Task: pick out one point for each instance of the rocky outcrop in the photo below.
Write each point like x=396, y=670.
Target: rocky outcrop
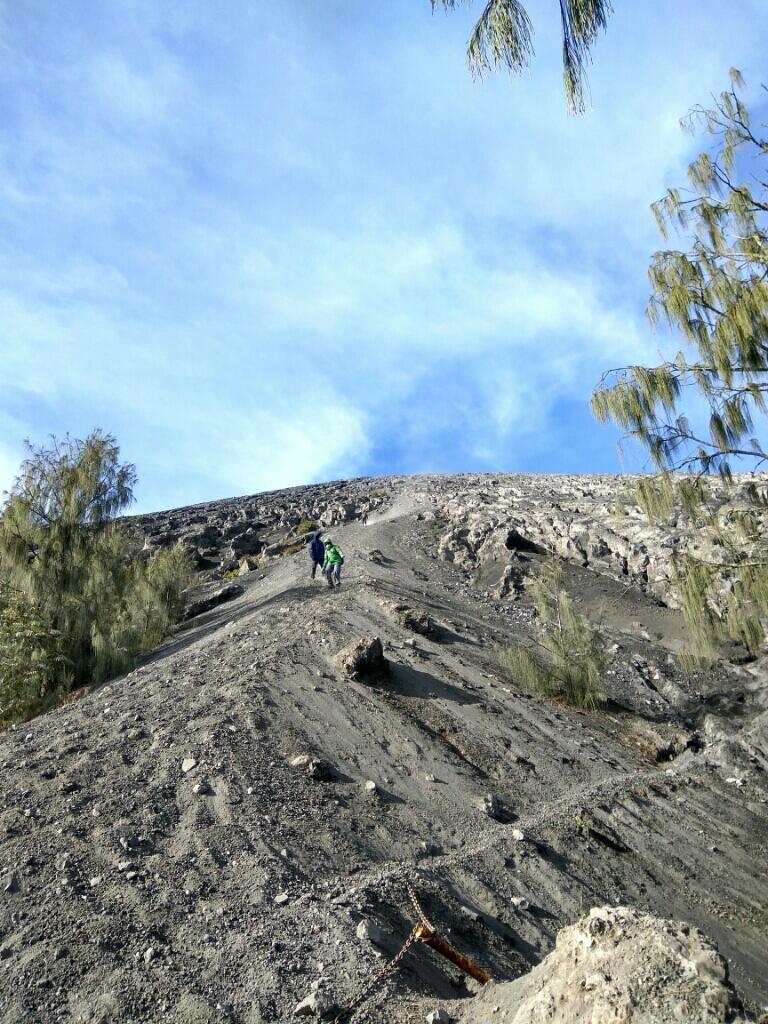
x=594, y=521
x=220, y=533
x=617, y=966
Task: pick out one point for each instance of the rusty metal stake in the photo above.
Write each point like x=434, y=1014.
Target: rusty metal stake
x=430, y=938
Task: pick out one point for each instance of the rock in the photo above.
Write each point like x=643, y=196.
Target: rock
x=220, y=596
x=149, y=955
x=316, y=1004
x=427, y=849
x=415, y=619
x=518, y=835
x=370, y=786
x=620, y=965
x=376, y=556
x=439, y=1016
x=11, y=884
x=316, y=767
x=659, y=741
x=368, y=931
x=188, y=764
x=364, y=659
x=495, y=809
x=281, y=898
x=520, y=903
x=320, y=770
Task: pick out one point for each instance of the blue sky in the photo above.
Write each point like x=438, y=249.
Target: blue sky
x=271, y=243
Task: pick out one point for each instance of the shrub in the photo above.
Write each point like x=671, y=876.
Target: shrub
x=568, y=661
x=306, y=526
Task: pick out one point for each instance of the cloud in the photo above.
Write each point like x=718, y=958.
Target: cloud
x=301, y=242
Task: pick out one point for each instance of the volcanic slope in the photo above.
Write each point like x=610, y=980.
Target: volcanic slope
x=162, y=859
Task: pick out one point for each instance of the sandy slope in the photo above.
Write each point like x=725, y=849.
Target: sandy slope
x=128, y=896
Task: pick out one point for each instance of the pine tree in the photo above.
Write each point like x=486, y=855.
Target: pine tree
x=76, y=575
x=503, y=35
x=715, y=293
x=33, y=666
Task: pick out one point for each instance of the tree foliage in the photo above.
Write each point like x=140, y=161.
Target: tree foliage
x=503, y=35
x=75, y=574
x=568, y=662
x=33, y=666
x=715, y=293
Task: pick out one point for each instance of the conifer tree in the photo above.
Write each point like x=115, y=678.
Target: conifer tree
x=77, y=600
x=715, y=293
x=503, y=35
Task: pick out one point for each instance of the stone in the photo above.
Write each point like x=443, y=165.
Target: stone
x=316, y=1004
x=364, y=660
x=281, y=898
x=368, y=931
x=149, y=955
x=518, y=835
x=220, y=596
x=188, y=764
x=427, y=849
x=370, y=786
x=520, y=903
x=494, y=808
x=316, y=767
x=439, y=1016
x=11, y=884
x=415, y=619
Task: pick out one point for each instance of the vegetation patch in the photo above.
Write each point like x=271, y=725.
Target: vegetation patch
x=568, y=662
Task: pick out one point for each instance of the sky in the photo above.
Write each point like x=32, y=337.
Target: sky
x=267, y=244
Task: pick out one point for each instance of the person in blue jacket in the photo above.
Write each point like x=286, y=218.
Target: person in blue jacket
x=316, y=550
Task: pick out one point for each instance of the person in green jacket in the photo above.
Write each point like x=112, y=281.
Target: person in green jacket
x=334, y=559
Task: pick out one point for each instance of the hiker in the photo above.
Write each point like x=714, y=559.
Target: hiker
x=316, y=551
x=334, y=559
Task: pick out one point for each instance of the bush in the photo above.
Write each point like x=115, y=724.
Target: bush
x=568, y=661
x=306, y=526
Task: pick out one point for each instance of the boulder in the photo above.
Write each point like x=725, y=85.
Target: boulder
x=415, y=619
x=364, y=659
x=616, y=965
